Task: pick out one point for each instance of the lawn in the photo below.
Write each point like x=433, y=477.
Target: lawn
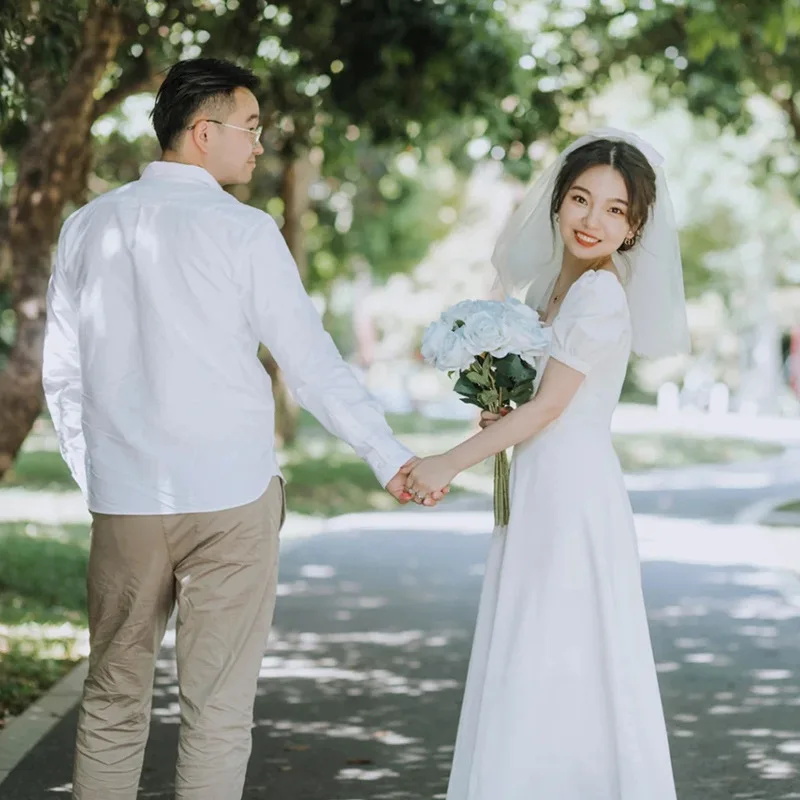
x=660, y=451
x=39, y=470
x=42, y=609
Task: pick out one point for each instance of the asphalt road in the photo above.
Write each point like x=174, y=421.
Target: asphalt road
x=361, y=686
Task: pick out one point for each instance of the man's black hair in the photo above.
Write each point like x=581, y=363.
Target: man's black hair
x=191, y=85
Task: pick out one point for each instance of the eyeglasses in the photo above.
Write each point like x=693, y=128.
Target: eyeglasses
x=255, y=133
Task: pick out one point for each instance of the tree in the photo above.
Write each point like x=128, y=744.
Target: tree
x=714, y=56
x=391, y=71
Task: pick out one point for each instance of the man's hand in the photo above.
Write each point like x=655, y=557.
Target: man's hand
x=397, y=488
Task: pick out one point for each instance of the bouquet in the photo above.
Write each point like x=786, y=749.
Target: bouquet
x=492, y=345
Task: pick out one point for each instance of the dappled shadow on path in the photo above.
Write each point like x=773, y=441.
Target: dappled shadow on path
x=727, y=644
x=362, y=683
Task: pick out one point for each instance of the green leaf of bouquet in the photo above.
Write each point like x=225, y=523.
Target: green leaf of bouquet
x=522, y=394
x=471, y=401
x=515, y=370
x=489, y=398
x=479, y=378
x=502, y=378
x=465, y=386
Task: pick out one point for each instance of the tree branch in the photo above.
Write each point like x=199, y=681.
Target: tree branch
x=790, y=107
x=141, y=79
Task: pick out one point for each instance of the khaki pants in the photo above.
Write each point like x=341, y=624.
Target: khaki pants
x=221, y=567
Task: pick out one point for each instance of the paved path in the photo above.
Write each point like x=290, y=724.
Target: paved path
x=361, y=686
x=362, y=683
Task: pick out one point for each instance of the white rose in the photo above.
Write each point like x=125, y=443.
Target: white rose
x=538, y=343
x=460, y=311
x=521, y=310
x=526, y=336
x=453, y=353
x=432, y=341
x=484, y=332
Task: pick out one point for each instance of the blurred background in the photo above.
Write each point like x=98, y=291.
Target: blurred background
x=400, y=135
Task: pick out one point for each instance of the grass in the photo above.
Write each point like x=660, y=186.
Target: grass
x=339, y=483
x=656, y=451
x=790, y=508
x=40, y=470
x=24, y=677
x=42, y=609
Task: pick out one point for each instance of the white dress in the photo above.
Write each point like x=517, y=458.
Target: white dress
x=562, y=700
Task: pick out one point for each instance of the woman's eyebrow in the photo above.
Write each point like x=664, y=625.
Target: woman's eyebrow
x=613, y=199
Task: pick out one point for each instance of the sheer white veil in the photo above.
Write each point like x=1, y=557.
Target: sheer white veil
x=529, y=251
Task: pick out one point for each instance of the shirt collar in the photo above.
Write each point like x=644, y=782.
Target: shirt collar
x=176, y=171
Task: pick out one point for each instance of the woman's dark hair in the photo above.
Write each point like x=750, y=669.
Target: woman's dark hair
x=193, y=84
x=625, y=158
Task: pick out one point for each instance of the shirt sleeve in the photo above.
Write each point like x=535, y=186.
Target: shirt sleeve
x=286, y=321
x=592, y=321
x=61, y=370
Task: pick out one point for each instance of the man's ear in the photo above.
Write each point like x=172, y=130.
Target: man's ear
x=199, y=134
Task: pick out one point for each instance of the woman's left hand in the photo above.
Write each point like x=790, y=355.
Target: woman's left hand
x=428, y=475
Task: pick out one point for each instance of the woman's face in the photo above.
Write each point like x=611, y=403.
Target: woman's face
x=593, y=218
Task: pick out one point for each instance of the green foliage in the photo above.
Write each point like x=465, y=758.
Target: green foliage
x=45, y=572
x=42, y=608
x=25, y=676
x=494, y=383
x=348, y=85
x=714, y=56
x=638, y=452
x=40, y=469
x=35, y=39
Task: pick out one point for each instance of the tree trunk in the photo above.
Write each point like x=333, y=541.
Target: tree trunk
x=298, y=174
x=52, y=172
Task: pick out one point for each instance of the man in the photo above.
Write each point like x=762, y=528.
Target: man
x=161, y=291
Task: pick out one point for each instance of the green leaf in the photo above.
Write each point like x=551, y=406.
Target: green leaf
x=489, y=398
x=479, y=378
x=503, y=380
x=465, y=386
x=522, y=394
x=512, y=371
x=471, y=401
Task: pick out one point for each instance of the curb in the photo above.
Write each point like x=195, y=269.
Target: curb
x=24, y=732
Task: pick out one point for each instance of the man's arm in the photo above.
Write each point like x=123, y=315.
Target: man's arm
x=286, y=321
x=61, y=371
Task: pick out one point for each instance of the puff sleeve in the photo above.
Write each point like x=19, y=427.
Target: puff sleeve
x=592, y=321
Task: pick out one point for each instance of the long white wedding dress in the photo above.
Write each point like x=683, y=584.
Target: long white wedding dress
x=562, y=700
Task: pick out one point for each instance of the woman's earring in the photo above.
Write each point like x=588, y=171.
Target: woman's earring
x=630, y=241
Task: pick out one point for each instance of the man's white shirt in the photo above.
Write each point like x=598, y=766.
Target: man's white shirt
x=161, y=291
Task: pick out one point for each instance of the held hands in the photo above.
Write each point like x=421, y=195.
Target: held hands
x=427, y=480
x=397, y=488
x=427, y=476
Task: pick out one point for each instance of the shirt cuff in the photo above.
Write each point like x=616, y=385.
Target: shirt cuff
x=386, y=457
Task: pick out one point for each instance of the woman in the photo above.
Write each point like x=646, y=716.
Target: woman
x=562, y=700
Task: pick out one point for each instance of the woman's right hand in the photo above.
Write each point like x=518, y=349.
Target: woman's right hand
x=489, y=417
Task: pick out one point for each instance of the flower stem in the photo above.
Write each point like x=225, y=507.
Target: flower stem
x=502, y=501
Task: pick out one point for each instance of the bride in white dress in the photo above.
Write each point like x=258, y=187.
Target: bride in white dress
x=562, y=700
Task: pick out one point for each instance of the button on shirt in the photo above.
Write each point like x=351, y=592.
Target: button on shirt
x=161, y=291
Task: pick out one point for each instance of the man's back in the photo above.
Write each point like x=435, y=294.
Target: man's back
x=177, y=409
